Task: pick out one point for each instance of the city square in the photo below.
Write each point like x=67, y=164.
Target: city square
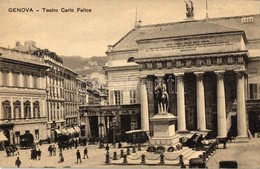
x=245, y=154
x=171, y=90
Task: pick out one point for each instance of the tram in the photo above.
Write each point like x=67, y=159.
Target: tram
x=136, y=136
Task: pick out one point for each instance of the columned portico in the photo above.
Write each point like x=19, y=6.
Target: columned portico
x=201, y=120
x=241, y=107
x=144, y=105
x=221, y=105
x=180, y=102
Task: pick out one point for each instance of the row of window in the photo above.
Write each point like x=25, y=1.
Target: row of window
x=116, y=97
x=17, y=110
x=16, y=80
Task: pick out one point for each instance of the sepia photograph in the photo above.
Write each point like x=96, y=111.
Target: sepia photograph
x=130, y=84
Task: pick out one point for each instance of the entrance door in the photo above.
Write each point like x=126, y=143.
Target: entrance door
x=254, y=122
x=93, y=121
x=125, y=126
x=233, y=128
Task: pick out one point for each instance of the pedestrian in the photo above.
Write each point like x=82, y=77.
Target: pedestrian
x=54, y=150
x=32, y=153
x=39, y=152
x=78, y=156
x=50, y=150
x=18, y=162
x=107, y=147
x=85, y=152
x=61, y=158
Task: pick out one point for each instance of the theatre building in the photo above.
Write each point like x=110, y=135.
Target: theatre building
x=22, y=95
x=210, y=68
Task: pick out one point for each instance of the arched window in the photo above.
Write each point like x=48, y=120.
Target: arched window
x=36, y=109
x=27, y=109
x=17, y=109
x=131, y=59
x=6, y=109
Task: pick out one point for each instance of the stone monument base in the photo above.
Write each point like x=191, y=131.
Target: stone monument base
x=164, y=130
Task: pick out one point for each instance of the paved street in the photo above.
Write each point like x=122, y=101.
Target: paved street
x=245, y=153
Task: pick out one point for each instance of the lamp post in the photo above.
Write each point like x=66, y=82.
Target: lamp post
x=114, y=125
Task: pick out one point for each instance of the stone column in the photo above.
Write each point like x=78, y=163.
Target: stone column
x=201, y=120
x=1, y=78
x=32, y=111
x=39, y=82
x=43, y=81
x=180, y=102
x=43, y=107
x=21, y=80
x=12, y=107
x=1, y=115
x=87, y=127
x=144, y=105
x=104, y=126
x=10, y=78
x=241, y=105
x=22, y=108
x=221, y=105
x=30, y=81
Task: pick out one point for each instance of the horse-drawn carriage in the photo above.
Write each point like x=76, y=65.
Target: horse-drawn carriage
x=63, y=141
x=26, y=140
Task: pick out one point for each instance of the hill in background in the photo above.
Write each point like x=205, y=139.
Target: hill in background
x=87, y=67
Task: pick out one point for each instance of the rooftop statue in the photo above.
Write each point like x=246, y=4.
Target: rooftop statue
x=189, y=8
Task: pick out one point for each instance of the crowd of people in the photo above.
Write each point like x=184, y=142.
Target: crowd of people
x=36, y=154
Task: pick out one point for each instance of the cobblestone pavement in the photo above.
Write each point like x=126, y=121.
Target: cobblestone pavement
x=246, y=154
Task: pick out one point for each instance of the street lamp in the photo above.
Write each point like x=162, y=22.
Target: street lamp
x=114, y=125
x=101, y=141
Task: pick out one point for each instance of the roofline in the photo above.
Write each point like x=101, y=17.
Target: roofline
x=123, y=38
x=197, y=35
x=209, y=19
x=70, y=70
x=25, y=63
x=122, y=51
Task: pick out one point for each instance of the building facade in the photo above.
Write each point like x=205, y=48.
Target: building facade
x=22, y=95
x=209, y=67
x=41, y=90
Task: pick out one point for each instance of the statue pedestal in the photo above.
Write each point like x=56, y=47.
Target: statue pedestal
x=164, y=130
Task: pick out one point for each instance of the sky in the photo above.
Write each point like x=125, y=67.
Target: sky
x=88, y=34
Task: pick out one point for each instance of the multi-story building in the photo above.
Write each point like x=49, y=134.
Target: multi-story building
x=71, y=100
x=209, y=67
x=55, y=94
x=22, y=95
x=61, y=91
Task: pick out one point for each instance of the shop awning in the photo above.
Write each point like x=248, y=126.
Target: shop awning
x=64, y=131
x=71, y=130
x=58, y=131
x=77, y=129
x=3, y=137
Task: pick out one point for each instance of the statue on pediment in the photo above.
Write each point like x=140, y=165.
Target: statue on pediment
x=189, y=8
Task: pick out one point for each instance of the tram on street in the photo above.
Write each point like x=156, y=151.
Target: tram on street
x=136, y=136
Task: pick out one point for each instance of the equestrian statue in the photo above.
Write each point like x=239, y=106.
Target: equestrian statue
x=162, y=97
